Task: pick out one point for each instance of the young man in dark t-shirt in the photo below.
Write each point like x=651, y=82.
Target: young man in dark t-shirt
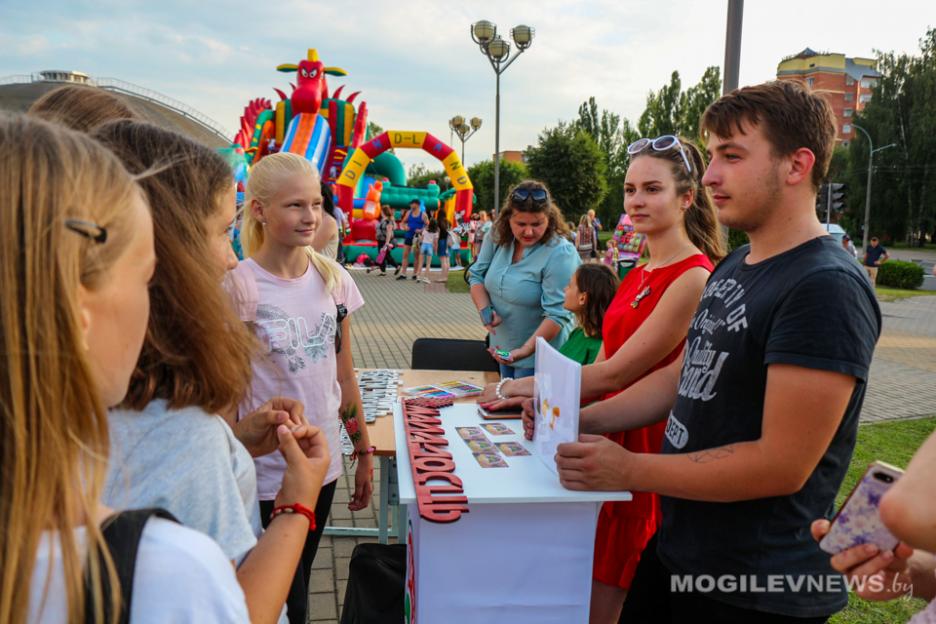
x=763, y=409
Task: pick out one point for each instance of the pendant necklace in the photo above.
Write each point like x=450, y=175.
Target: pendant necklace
x=642, y=292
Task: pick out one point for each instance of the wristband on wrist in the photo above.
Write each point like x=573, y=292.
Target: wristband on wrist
x=295, y=508
x=370, y=450
x=487, y=314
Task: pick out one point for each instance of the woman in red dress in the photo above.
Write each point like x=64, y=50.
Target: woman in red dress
x=644, y=329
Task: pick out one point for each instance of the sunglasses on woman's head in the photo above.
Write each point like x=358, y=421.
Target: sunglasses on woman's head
x=537, y=194
x=660, y=144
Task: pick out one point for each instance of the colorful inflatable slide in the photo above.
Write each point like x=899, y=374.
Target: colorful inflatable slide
x=329, y=132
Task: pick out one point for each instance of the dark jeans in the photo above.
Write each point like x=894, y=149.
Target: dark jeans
x=297, y=602
x=649, y=600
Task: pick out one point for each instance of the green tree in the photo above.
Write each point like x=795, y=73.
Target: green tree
x=482, y=177
x=694, y=101
x=661, y=114
x=613, y=134
x=572, y=165
x=373, y=130
x=419, y=175
x=902, y=111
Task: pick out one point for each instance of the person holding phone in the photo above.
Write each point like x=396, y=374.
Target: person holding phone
x=908, y=510
x=518, y=279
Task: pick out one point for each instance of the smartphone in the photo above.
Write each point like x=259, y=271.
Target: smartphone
x=503, y=354
x=507, y=414
x=858, y=521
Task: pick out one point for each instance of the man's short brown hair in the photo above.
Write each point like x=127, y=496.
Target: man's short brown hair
x=790, y=116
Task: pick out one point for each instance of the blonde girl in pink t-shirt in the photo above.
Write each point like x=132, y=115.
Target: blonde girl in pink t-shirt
x=302, y=318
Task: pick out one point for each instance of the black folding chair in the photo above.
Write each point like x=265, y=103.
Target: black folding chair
x=452, y=354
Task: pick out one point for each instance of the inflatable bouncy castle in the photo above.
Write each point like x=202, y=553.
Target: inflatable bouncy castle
x=331, y=132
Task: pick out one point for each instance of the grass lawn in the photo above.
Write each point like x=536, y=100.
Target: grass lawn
x=456, y=282
x=894, y=294
x=903, y=245
x=894, y=443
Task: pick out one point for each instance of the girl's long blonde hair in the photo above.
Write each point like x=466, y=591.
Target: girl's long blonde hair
x=53, y=425
x=265, y=179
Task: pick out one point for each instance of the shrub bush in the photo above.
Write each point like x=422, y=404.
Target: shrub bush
x=899, y=274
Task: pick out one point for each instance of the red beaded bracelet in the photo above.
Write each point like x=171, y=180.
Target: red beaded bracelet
x=370, y=450
x=296, y=508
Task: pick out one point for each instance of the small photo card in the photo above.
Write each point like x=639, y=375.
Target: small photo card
x=498, y=429
x=511, y=449
x=490, y=460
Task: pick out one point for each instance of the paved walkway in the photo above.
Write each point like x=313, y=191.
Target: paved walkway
x=902, y=385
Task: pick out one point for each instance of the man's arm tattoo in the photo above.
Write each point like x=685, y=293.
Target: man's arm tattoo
x=708, y=455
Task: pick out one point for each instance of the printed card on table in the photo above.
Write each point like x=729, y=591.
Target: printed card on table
x=471, y=433
x=557, y=386
x=480, y=446
x=490, y=460
x=448, y=389
x=511, y=449
x=497, y=429
x=460, y=388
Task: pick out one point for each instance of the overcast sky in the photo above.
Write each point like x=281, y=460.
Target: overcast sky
x=414, y=60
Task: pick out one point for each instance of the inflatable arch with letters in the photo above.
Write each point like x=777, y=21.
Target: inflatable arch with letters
x=367, y=152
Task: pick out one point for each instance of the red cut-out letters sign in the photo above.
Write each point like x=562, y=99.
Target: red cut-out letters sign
x=430, y=462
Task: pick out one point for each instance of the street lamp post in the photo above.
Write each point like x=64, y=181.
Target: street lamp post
x=871, y=152
x=497, y=51
x=733, y=45
x=464, y=131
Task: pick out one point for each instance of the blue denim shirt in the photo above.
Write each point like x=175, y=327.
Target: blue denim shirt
x=526, y=292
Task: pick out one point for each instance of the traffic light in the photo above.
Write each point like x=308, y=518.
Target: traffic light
x=830, y=194
x=838, y=195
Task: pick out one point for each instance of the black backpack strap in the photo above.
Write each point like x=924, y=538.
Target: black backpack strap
x=122, y=534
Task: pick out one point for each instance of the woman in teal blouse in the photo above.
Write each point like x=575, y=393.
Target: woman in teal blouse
x=518, y=280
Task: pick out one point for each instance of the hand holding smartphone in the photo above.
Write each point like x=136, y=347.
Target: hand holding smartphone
x=503, y=354
x=858, y=521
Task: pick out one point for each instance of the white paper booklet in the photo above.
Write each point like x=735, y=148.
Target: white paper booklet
x=556, y=400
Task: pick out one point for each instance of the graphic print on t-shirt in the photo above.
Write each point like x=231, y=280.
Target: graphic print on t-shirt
x=703, y=365
x=292, y=337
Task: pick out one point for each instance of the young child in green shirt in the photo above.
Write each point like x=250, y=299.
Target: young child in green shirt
x=587, y=295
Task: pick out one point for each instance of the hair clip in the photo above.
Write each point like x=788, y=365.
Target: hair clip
x=88, y=229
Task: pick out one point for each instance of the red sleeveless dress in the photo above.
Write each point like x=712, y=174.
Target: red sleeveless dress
x=624, y=528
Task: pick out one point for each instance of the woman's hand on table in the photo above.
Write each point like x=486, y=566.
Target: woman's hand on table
x=363, y=482
x=489, y=394
x=498, y=405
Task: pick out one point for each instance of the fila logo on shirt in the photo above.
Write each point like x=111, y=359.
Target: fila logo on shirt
x=292, y=332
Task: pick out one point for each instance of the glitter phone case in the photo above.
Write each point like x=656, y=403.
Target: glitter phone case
x=858, y=521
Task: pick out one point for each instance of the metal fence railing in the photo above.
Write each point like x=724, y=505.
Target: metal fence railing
x=114, y=84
